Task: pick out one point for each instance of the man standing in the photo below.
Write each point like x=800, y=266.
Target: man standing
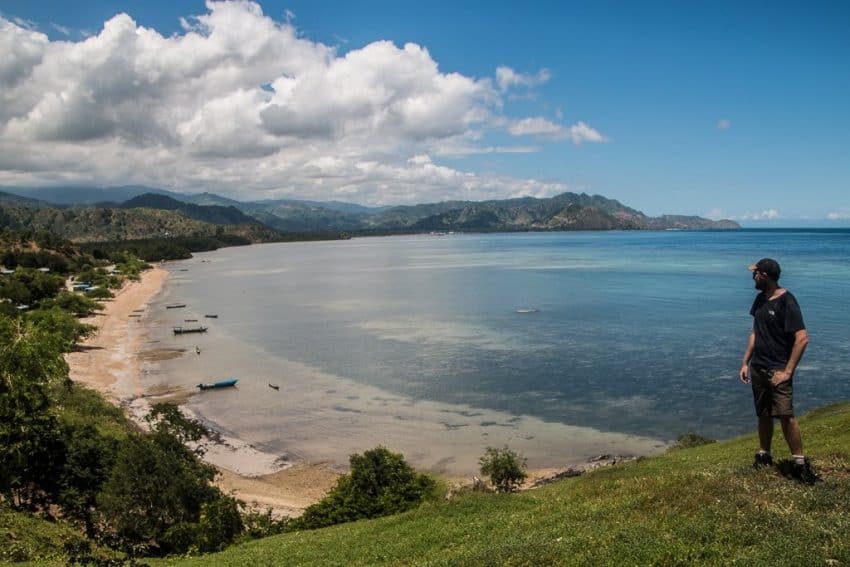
x=773, y=352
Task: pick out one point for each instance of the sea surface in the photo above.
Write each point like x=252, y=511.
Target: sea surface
x=560, y=345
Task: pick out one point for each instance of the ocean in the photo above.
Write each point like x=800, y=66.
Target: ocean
x=559, y=345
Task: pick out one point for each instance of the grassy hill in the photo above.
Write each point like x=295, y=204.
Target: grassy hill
x=704, y=505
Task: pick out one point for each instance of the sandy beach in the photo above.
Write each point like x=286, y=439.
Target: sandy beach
x=111, y=362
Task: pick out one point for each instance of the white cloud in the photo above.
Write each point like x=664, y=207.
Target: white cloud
x=838, y=215
x=767, y=214
x=724, y=124
x=457, y=150
x=581, y=132
x=61, y=29
x=22, y=50
x=244, y=105
x=538, y=126
x=507, y=78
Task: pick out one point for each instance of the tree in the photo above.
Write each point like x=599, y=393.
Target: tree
x=505, y=468
x=158, y=497
x=78, y=304
x=166, y=417
x=380, y=483
x=89, y=458
x=40, y=285
x=220, y=524
x=66, y=327
x=15, y=291
x=31, y=448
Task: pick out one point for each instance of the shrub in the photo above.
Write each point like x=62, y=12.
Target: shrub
x=505, y=468
x=220, y=524
x=100, y=293
x=262, y=524
x=380, y=483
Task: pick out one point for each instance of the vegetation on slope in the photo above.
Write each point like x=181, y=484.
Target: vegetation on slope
x=703, y=505
x=78, y=483
x=93, y=224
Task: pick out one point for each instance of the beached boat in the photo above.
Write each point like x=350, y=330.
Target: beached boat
x=274, y=386
x=230, y=382
x=175, y=306
x=184, y=330
x=212, y=316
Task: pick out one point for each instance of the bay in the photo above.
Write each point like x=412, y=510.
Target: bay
x=560, y=344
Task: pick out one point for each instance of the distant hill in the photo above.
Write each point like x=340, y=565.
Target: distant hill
x=84, y=195
x=216, y=214
x=567, y=211
x=10, y=200
x=93, y=224
x=339, y=206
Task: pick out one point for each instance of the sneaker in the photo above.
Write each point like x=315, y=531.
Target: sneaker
x=762, y=460
x=804, y=473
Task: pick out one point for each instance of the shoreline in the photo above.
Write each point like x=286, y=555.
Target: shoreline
x=111, y=362
x=114, y=359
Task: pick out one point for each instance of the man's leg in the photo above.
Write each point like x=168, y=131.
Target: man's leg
x=766, y=432
x=802, y=468
x=791, y=431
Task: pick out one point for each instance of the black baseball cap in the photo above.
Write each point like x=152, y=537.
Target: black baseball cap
x=767, y=266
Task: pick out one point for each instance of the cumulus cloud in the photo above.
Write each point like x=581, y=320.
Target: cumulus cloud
x=538, y=126
x=245, y=105
x=507, y=78
x=22, y=50
x=838, y=215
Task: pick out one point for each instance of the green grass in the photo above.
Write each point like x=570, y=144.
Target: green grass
x=701, y=505
x=24, y=537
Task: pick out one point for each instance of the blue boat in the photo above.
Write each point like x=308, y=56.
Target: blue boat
x=230, y=382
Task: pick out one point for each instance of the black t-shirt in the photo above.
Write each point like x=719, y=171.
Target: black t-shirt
x=774, y=322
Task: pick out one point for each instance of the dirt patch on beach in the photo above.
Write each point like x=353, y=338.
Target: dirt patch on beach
x=159, y=354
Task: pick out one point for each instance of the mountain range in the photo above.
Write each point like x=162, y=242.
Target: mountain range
x=88, y=213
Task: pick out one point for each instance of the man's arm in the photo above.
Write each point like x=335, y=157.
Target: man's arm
x=801, y=341
x=744, y=373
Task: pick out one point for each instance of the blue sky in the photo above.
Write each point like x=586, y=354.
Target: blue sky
x=724, y=109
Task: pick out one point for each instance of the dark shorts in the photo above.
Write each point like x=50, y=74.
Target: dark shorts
x=770, y=400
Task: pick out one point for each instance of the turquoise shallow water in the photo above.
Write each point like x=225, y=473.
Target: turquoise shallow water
x=628, y=332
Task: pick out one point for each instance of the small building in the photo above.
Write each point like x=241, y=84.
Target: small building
x=6, y=272
x=45, y=270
